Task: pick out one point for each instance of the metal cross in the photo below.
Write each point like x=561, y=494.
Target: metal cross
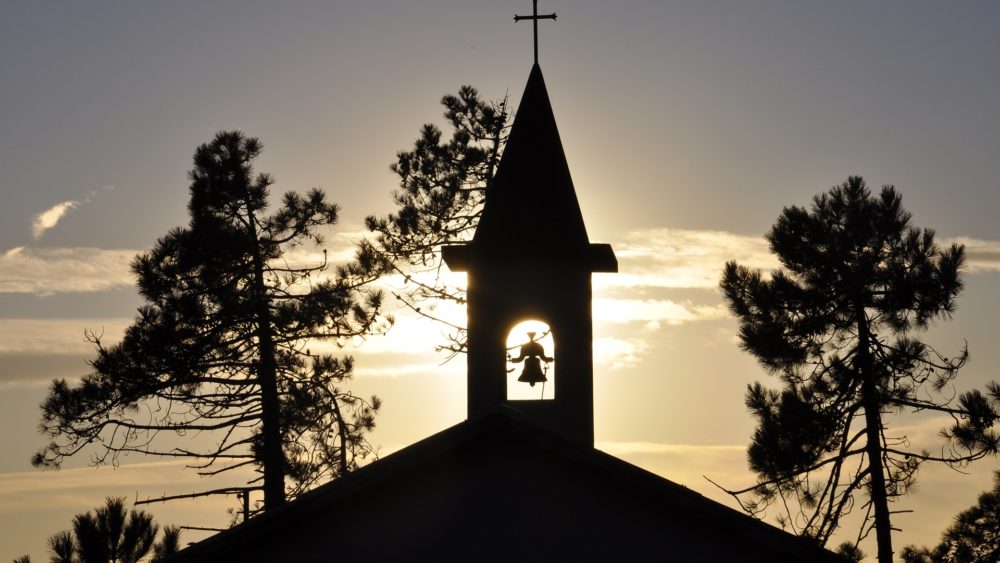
x=534, y=17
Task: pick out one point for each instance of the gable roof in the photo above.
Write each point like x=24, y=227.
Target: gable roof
x=510, y=454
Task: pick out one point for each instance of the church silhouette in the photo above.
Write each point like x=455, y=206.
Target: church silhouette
x=519, y=480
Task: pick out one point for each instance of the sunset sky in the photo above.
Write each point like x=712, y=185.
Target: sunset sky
x=687, y=127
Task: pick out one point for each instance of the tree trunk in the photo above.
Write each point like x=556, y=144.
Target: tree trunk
x=873, y=428
x=342, y=430
x=272, y=456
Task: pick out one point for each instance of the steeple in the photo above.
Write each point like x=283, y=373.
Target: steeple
x=533, y=203
x=531, y=259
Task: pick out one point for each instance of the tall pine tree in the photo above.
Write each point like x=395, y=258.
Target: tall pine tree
x=221, y=344
x=836, y=323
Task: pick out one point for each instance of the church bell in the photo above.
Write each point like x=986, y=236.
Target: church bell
x=532, y=354
x=532, y=373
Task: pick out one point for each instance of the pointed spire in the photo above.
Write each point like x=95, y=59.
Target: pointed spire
x=532, y=203
x=531, y=259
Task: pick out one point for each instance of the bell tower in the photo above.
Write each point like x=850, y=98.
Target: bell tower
x=531, y=259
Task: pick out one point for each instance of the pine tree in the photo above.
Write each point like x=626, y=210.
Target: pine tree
x=221, y=344
x=442, y=189
x=113, y=534
x=836, y=323
x=974, y=536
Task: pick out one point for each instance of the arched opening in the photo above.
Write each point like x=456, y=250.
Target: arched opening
x=531, y=352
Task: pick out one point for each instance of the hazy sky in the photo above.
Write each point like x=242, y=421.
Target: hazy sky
x=687, y=127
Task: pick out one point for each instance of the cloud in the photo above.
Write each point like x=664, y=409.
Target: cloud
x=33, y=351
x=338, y=248
x=17, y=489
x=57, y=345
x=45, y=271
x=35, y=504
x=680, y=258
x=631, y=448
x=617, y=353
x=653, y=258
x=684, y=259
x=50, y=270
x=655, y=311
x=980, y=255
x=65, y=336
x=50, y=217
x=688, y=464
x=422, y=369
x=637, y=319
x=410, y=334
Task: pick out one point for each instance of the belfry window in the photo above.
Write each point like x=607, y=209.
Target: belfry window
x=530, y=362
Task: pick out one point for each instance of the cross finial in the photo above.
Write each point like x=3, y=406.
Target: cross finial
x=534, y=17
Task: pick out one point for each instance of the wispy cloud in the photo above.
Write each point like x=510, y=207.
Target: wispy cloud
x=419, y=368
x=45, y=271
x=35, y=504
x=64, y=336
x=50, y=270
x=407, y=352
x=660, y=259
x=680, y=258
x=339, y=247
x=627, y=448
x=50, y=217
x=18, y=488
x=617, y=353
x=33, y=351
x=688, y=464
x=655, y=311
x=981, y=255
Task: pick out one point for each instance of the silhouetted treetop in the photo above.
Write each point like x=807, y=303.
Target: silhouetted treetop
x=113, y=534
